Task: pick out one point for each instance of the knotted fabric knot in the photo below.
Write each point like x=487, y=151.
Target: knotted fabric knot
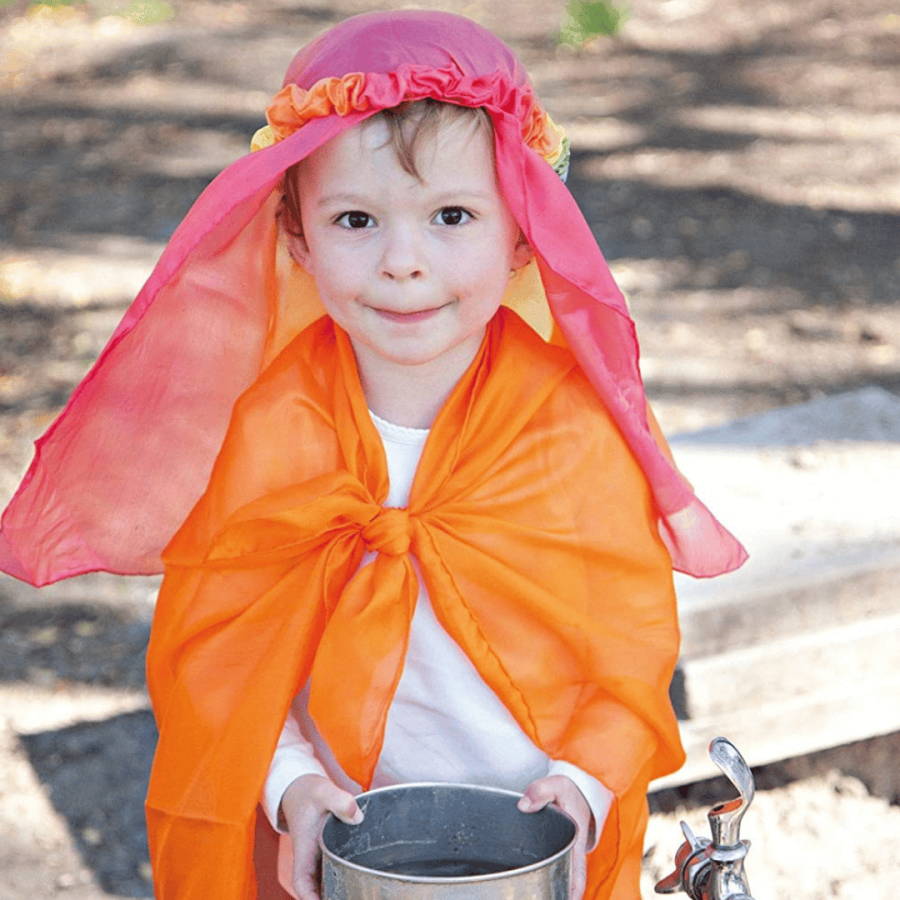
x=388, y=532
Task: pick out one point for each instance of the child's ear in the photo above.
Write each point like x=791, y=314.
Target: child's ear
x=298, y=248
x=523, y=252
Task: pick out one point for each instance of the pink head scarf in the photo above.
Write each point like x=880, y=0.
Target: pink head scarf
x=119, y=470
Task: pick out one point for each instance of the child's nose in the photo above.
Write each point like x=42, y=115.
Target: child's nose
x=404, y=254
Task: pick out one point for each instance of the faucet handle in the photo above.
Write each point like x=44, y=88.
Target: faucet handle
x=691, y=867
x=725, y=818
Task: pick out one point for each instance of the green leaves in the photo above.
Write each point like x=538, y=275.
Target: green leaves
x=589, y=19
x=148, y=12
x=141, y=12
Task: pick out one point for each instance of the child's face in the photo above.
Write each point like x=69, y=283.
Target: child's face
x=412, y=270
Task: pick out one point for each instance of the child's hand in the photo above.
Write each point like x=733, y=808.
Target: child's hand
x=563, y=793
x=304, y=806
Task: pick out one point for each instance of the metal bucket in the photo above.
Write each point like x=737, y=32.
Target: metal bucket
x=447, y=842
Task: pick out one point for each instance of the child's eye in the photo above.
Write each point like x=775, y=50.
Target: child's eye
x=355, y=219
x=453, y=215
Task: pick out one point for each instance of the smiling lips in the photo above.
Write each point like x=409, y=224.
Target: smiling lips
x=409, y=318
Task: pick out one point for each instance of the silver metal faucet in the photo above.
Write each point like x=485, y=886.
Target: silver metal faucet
x=714, y=869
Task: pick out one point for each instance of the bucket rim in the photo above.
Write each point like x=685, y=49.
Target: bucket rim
x=547, y=861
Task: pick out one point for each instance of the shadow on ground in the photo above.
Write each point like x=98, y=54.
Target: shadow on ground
x=96, y=776
x=80, y=643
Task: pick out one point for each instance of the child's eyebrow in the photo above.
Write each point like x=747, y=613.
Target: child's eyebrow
x=449, y=196
x=343, y=200
x=461, y=194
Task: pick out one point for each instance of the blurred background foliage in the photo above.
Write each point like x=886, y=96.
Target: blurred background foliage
x=141, y=12
x=589, y=19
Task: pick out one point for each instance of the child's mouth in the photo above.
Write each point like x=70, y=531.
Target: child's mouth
x=408, y=318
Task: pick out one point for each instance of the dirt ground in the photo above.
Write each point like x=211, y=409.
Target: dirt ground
x=740, y=166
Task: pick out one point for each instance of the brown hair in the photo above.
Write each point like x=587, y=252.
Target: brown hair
x=408, y=124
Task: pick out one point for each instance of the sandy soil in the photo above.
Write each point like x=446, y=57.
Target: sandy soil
x=740, y=165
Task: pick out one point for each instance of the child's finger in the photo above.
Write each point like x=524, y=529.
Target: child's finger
x=529, y=803
x=538, y=794
x=305, y=804
x=578, y=879
x=305, y=871
x=345, y=807
x=563, y=792
x=298, y=863
x=326, y=798
x=306, y=876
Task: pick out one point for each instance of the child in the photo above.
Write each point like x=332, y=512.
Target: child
x=429, y=531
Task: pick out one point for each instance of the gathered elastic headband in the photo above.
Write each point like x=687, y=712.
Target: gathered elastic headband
x=293, y=106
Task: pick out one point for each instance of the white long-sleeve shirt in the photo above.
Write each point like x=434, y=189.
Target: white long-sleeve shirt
x=444, y=723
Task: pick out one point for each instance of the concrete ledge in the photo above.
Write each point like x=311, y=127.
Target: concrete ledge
x=800, y=649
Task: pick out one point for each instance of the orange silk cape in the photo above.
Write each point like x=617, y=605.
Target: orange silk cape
x=537, y=539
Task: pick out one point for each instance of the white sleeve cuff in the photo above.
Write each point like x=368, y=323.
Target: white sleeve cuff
x=293, y=757
x=599, y=797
